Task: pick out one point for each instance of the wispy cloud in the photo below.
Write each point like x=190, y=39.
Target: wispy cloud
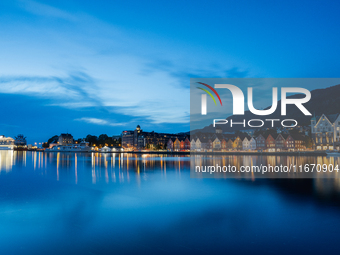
x=91, y=63
x=74, y=90
x=102, y=122
x=44, y=10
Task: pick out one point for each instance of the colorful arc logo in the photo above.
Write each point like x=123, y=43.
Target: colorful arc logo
x=204, y=97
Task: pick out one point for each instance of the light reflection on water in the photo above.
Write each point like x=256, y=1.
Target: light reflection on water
x=117, y=167
x=83, y=203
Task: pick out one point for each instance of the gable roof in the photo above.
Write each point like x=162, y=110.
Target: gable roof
x=260, y=136
x=331, y=117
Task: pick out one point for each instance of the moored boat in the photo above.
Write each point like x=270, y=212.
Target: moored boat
x=75, y=147
x=6, y=143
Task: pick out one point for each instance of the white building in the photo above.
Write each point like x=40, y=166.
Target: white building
x=325, y=131
x=245, y=144
x=252, y=144
x=217, y=144
x=193, y=145
x=198, y=145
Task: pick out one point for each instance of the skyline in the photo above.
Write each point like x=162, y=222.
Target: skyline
x=85, y=68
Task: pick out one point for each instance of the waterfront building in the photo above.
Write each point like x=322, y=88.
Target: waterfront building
x=210, y=145
x=204, y=144
x=299, y=144
x=65, y=139
x=224, y=144
x=198, y=144
x=128, y=139
x=182, y=145
x=325, y=130
x=187, y=144
x=270, y=143
x=245, y=144
x=289, y=143
x=260, y=142
x=170, y=144
x=230, y=144
x=280, y=143
x=217, y=141
x=237, y=144
x=138, y=139
x=192, y=144
x=252, y=144
x=177, y=145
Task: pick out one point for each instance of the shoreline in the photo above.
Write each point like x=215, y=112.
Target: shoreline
x=235, y=153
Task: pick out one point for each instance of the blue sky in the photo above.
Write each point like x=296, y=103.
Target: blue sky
x=93, y=67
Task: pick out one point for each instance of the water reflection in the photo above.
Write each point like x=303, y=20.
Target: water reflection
x=116, y=167
x=7, y=160
x=92, y=203
x=111, y=167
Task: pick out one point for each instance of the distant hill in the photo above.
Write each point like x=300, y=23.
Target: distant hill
x=325, y=101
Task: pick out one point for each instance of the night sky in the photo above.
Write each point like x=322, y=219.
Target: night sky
x=93, y=67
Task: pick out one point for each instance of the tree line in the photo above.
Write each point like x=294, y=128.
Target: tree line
x=101, y=141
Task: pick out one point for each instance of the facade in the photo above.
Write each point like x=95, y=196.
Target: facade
x=246, y=144
x=170, y=144
x=260, y=142
x=138, y=139
x=224, y=144
x=193, y=144
x=177, y=145
x=252, y=144
x=230, y=144
x=289, y=143
x=205, y=145
x=217, y=144
x=280, y=143
x=237, y=144
x=270, y=143
x=325, y=130
x=299, y=144
x=187, y=144
x=198, y=144
x=128, y=140
x=65, y=139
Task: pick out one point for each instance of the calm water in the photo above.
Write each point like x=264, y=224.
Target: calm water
x=67, y=203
